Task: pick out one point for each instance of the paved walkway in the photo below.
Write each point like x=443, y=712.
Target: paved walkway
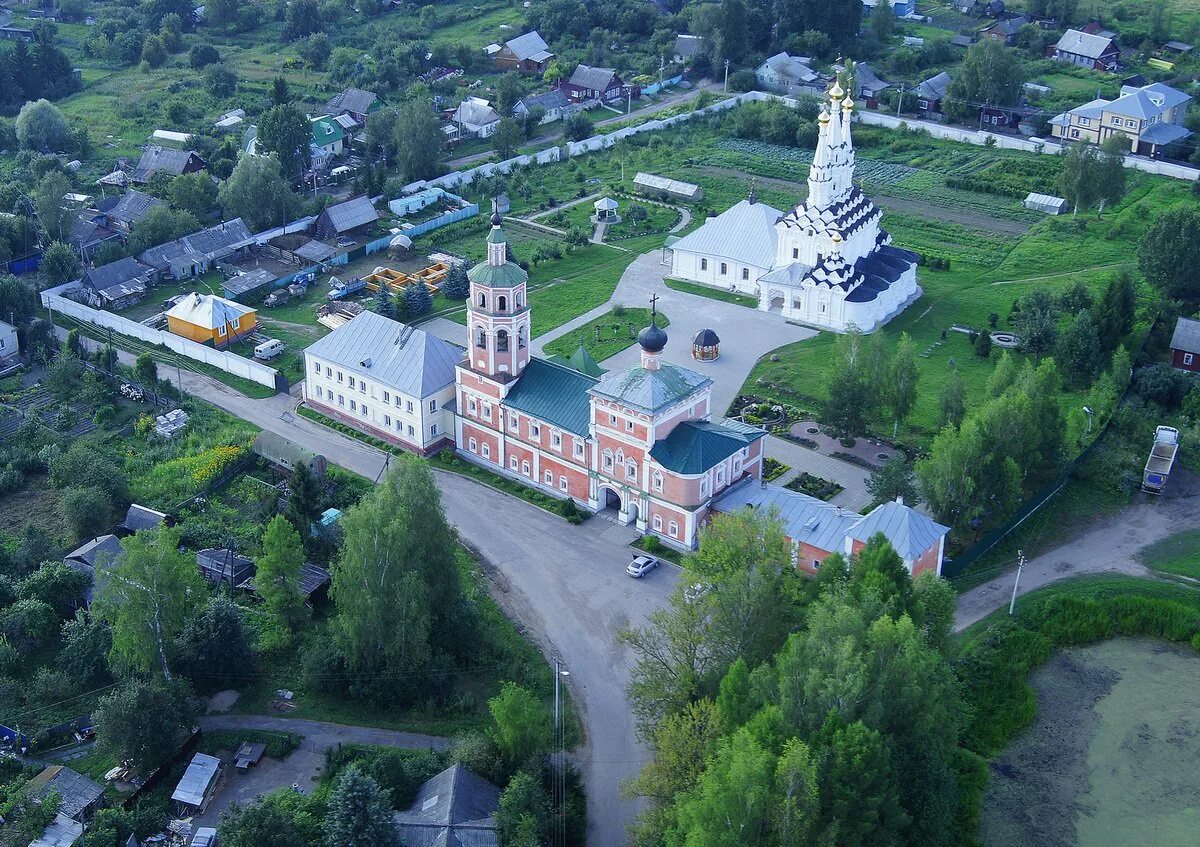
x=800, y=459
x=304, y=765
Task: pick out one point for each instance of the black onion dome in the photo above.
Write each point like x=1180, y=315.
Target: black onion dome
x=706, y=338
x=653, y=339
x=496, y=218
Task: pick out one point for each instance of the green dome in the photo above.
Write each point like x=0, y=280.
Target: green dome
x=496, y=236
x=508, y=275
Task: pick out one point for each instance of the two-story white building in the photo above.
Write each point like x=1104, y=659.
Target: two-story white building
x=1150, y=118
x=386, y=379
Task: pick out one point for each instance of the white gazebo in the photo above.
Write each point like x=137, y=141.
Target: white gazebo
x=606, y=211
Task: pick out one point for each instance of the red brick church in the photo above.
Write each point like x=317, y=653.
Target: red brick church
x=639, y=441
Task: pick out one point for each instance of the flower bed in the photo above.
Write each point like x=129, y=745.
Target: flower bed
x=815, y=486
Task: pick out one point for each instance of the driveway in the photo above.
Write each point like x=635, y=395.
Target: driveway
x=1110, y=544
x=303, y=766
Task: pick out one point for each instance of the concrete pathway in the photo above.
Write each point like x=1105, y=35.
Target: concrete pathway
x=598, y=233
x=800, y=459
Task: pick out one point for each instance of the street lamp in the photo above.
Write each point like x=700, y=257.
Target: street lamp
x=560, y=777
x=1088, y=411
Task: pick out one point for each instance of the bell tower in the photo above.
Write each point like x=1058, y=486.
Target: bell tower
x=498, y=311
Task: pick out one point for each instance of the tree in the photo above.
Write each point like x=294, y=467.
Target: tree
x=894, y=479
x=419, y=141
x=304, y=498
x=220, y=81
x=1116, y=310
x=396, y=580
x=154, y=51
x=50, y=201
x=732, y=33
x=42, y=127
x=203, y=55
x=1078, y=349
x=284, y=131
x=277, y=580
x=87, y=510
x=523, y=816
x=222, y=12
x=303, y=19
x=900, y=386
x=417, y=300
x=1077, y=179
x=59, y=263
x=145, y=370
x=160, y=225
x=1110, y=168
x=983, y=345
x=577, y=127
x=195, y=193
x=358, y=812
x=796, y=784
x=257, y=192
x=215, y=647
x=860, y=803
x=1003, y=375
x=845, y=411
x=882, y=22
x=457, y=285
x=1037, y=321
x=84, y=655
x=990, y=73
x=507, y=137
x=733, y=802
x=315, y=50
x=57, y=585
x=948, y=475
x=521, y=724
x=280, y=95
x=146, y=597
x=508, y=91
x=281, y=818
x=29, y=624
x=143, y=722
x=1169, y=252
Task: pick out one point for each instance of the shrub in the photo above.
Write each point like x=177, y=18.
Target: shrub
x=651, y=544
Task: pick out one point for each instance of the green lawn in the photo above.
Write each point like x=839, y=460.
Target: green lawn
x=1178, y=554
x=712, y=293
x=605, y=336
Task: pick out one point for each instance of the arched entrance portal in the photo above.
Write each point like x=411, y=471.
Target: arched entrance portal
x=622, y=511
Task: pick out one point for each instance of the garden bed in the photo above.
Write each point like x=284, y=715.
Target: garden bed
x=607, y=335
x=815, y=486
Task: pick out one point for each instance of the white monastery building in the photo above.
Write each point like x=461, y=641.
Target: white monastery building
x=386, y=379
x=827, y=262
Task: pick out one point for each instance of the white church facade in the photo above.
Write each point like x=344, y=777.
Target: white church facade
x=826, y=263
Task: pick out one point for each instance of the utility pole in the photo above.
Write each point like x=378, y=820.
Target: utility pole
x=726, y=76
x=1020, y=565
x=662, y=64
x=900, y=100
x=559, y=837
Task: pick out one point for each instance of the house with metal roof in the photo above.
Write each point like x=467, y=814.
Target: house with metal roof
x=731, y=250
x=456, y=808
x=198, y=785
x=553, y=103
x=931, y=92
x=165, y=160
x=328, y=140
x=687, y=47
x=589, y=85
x=139, y=517
x=654, y=185
x=123, y=212
x=1150, y=117
x=1098, y=51
x=118, y=284
x=345, y=218
x=222, y=565
x=387, y=379
x=528, y=53
x=79, y=797
x=474, y=117
x=816, y=529
x=195, y=254
x=900, y=8
x=641, y=441
x=60, y=832
x=1005, y=30
x=790, y=75
x=1185, y=345
x=89, y=234
x=101, y=552
x=209, y=319
x=355, y=102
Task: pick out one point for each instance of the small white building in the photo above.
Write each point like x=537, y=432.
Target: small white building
x=198, y=785
x=789, y=75
x=8, y=345
x=475, y=118
x=386, y=379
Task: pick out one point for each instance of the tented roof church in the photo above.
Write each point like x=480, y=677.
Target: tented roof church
x=827, y=262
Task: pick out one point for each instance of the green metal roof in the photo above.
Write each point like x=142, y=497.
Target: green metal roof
x=695, y=446
x=508, y=275
x=555, y=394
x=496, y=236
x=326, y=131
x=651, y=390
x=581, y=360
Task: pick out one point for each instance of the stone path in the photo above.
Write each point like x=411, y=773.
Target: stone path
x=802, y=460
x=598, y=233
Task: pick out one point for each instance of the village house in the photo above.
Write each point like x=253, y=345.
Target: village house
x=1185, y=345
x=1005, y=30
x=356, y=102
x=1150, y=117
x=386, y=379
x=932, y=92
x=596, y=85
x=195, y=254
x=328, y=140
x=89, y=234
x=456, y=808
x=827, y=262
x=687, y=48
x=101, y=552
x=123, y=212
x=554, y=105
x=816, y=529
x=209, y=319
x=867, y=85
x=164, y=160
x=528, y=53
x=79, y=797
x=346, y=218
x=900, y=8
x=1088, y=50
x=789, y=75
x=641, y=441
x=197, y=786
x=118, y=284
x=475, y=118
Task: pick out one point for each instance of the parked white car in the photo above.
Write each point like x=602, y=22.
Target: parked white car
x=641, y=565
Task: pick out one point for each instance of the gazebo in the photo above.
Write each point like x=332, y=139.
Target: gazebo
x=606, y=211
x=706, y=346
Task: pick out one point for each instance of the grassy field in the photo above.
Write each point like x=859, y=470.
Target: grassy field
x=712, y=293
x=1178, y=555
x=606, y=335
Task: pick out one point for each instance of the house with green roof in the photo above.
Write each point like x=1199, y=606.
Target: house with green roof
x=328, y=139
x=640, y=443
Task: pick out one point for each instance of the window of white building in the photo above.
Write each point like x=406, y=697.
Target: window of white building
x=704, y=264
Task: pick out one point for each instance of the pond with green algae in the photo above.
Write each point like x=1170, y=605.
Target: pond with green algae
x=1110, y=759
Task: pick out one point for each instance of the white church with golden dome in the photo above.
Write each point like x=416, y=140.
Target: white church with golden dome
x=827, y=262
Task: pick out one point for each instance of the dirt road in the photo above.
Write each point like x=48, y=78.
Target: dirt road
x=1109, y=544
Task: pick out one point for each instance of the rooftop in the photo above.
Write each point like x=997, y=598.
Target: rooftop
x=650, y=390
x=197, y=779
x=530, y=45
x=1186, y=336
x=1083, y=43
x=456, y=808
x=409, y=360
x=138, y=518
x=555, y=393
x=208, y=310
x=695, y=446
x=351, y=214
x=596, y=79
x=352, y=100
x=76, y=790
x=744, y=233
x=908, y=531
x=792, y=67
x=805, y=518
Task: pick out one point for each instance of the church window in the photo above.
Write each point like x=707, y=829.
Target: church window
x=548, y=477
x=353, y=406
x=657, y=481
x=612, y=420
x=795, y=252
x=482, y=300
x=362, y=386
x=704, y=264
x=737, y=465
x=658, y=523
x=720, y=475
x=608, y=460
x=351, y=382
x=472, y=406
x=556, y=440
x=502, y=303
x=562, y=483
x=411, y=431
x=629, y=424
x=387, y=396
x=317, y=368
x=579, y=449
x=521, y=338
x=673, y=529
x=433, y=405
x=525, y=468
x=631, y=470
x=797, y=303
x=328, y=371
x=341, y=400
x=387, y=420
x=620, y=457
x=480, y=338
x=822, y=307
x=487, y=451
x=408, y=407
x=487, y=411
x=512, y=462
x=473, y=445
x=535, y=431
x=514, y=423
x=745, y=273
x=518, y=298
x=502, y=341
x=339, y=376
x=320, y=393
x=433, y=429
x=724, y=269
x=363, y=410
x=704, y=487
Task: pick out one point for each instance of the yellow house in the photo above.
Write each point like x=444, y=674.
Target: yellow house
x=209, y=319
